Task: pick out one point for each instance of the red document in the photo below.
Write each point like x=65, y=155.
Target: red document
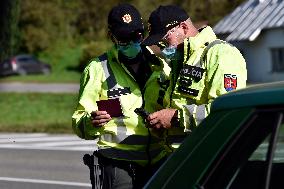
x=111, y=106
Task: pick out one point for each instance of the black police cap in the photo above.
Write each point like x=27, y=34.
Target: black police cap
x=123, y=20
x=162, y=20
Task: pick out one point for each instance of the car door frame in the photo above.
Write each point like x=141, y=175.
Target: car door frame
x=218, y=177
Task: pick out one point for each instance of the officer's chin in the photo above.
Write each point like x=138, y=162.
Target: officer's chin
x=129, y=61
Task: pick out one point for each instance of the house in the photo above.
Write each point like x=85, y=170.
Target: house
x=256, y=27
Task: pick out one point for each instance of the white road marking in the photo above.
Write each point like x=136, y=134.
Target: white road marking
x=42, y=141
x=83, y=148
x=19, y=135
x=45, y=181
x=39, y=139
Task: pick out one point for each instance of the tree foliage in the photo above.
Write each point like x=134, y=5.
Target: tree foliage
x=43, y=24
x=9, y=13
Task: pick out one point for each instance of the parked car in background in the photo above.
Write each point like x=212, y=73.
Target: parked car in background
x=23, y=65
x=239, y=145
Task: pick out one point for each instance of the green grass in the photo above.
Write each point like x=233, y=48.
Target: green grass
x=64, y=77
x=36, y=112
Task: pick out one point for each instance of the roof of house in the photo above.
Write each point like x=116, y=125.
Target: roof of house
x=250, y=18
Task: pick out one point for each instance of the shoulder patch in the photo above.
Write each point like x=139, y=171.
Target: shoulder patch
x=230, y=82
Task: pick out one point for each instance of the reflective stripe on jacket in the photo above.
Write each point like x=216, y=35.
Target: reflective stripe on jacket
x=211, y=68
x=126, y=137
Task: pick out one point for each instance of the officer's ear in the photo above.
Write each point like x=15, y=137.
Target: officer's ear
x=185, y=27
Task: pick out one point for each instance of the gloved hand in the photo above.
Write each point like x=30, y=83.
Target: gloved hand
x=162, y=118
x=99, y=118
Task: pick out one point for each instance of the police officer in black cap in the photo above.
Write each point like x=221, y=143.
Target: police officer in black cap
x=129, y=153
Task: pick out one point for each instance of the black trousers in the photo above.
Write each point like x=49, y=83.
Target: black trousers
x=118, y=174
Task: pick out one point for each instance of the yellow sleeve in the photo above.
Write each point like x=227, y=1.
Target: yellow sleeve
x=226, y=70
x=90, y=87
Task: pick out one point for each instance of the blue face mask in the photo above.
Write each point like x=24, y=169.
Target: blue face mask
x=131, y=50
x=169, y=52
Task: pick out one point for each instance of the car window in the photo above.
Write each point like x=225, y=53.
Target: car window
x=279, y=153
x=252, y=159
x=5, y=64
x=259, y=159
x=260, y=153
x=26, y=60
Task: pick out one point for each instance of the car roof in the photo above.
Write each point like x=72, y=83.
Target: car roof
x=252, y=96
x=23, y=56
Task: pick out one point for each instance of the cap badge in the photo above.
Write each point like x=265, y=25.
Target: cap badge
x=127, y=18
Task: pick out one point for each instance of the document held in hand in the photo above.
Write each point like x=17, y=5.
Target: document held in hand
x=111, y=106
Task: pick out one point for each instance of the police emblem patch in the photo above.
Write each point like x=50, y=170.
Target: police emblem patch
x=127, y=18
x=230, y=82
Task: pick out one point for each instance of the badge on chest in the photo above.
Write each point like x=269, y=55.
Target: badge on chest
x=188, y=74
x=196, y=73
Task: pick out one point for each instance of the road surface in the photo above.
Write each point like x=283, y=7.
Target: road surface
x=43, y=161
x=39, y=87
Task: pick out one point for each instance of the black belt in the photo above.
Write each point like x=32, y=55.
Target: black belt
x=129, y=166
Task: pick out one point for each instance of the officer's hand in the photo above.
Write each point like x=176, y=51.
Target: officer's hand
x=162, y=118
x=100, y=118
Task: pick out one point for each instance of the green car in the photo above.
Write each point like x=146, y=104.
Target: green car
x=239, y=145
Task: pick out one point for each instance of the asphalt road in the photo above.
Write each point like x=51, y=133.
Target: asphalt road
x=39, y=161
x=54, y=162
x=24, y=168
x=39, y=87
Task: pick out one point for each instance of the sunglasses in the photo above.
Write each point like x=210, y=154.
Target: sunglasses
x=133, y=37
x=164, y=42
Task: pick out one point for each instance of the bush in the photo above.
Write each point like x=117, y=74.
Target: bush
x=91, y=51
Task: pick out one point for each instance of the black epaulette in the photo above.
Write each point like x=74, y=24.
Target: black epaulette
x=103, y=57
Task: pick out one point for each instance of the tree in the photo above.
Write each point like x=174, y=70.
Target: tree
x=9, y=34
x=43, y=23
x=47, y=24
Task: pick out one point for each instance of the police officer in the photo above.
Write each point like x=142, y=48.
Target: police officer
x=118, y=81
x=203, y=68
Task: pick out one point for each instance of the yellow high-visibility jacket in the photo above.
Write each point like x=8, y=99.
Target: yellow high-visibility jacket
x=209, y=69
x=126, y=137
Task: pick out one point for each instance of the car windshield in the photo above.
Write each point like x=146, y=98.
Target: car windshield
x=26, y=60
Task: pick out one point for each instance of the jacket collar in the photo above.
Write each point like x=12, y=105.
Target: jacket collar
x=114, y=54
x=201, y=40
